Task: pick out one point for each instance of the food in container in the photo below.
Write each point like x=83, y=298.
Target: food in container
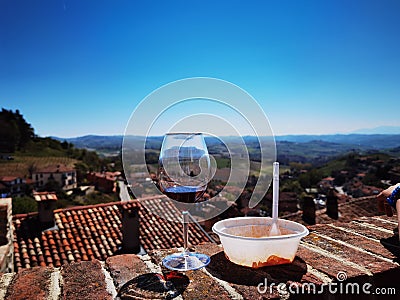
x=246, y=241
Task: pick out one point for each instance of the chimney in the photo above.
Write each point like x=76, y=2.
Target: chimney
x=130, y=228
x=6, y=235
x=3, y=222
x=332, y=204
x=308, y=210
x=46, y=204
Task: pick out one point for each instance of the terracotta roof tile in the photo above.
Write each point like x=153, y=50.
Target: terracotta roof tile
x=44, y=196
x=95, y=232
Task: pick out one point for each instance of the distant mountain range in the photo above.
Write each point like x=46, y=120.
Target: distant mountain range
x=95, y=142
x=362, y=141
x=315, y=149
x=379, y=130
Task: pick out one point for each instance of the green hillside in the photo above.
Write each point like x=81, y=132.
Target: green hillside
x=21, y=165
x=22, y=152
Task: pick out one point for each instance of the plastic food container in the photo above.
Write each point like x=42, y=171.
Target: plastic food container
x=246, y=242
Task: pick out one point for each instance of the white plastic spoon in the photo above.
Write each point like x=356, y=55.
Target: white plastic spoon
x=274, y=230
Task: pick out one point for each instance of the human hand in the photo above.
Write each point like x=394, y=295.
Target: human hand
x=383, y=206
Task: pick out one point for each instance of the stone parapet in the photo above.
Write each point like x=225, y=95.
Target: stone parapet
x=334, y=261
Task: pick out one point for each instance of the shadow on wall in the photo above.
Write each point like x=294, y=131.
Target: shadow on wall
x=222, y=268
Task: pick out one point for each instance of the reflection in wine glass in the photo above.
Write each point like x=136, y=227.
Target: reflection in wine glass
x=183, y=174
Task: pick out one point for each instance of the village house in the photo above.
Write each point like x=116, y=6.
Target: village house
x=12, y=186
x=326, y=182
x=104, y=181
x=65, y=176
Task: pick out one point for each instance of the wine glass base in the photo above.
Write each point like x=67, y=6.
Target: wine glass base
x=186, y=261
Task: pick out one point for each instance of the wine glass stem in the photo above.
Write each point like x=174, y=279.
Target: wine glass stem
x=185, y=220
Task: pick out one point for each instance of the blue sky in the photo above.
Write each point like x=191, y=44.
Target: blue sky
x=76, y=67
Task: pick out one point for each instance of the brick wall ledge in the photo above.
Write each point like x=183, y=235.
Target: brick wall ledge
x=341, y=255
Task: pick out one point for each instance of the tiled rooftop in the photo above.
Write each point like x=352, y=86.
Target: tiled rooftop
x=94, y=232
x=108, y=175
x=330, y=262
x=349, y=210
x=8, y=178
x=55, y=169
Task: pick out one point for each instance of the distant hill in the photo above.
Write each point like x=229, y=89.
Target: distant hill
x=363, y=141
x=315, y=152
x=94, y=141
x=301, y=148
x=359, y=141
x=379, y=130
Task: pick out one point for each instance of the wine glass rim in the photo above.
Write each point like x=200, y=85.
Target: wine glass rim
x=183, y=133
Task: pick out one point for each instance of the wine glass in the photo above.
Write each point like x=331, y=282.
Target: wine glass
x=183, y=174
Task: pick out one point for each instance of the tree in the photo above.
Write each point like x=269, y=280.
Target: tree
x=292, y=186
x=81, y=171
x=351, y=160
x=311, y=178
x=65, y=145
x=9, y=135
x=52, y=186
x=25, y=129
x=31, y=169
x=23, y=205
x=372, y=179
x=15, y=132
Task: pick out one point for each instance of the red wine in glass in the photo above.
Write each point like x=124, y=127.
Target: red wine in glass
x=184, y=194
